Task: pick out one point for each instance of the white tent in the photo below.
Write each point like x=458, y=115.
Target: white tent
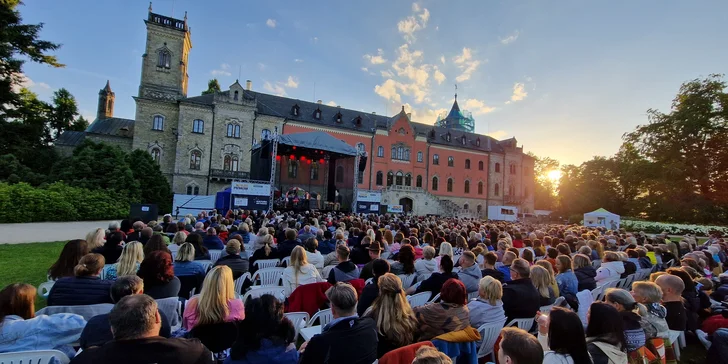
x=601, y=218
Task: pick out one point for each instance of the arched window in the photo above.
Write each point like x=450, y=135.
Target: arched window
x=464, y=140
x=193, y=189
x=480, y=188
x=361, y=147
x=434, y=183
x=230, y=130
x=156, y=154
x=195, y=159
x=380, y=178
x=198, y=126
x=314, y=170
x=466, y=206
x=317, y=114
x=449, y=185
x=450, y=161
x=398, y=178
x=380, y=152
x=467, y=164
x=234, y=163
x=400, y=153
x=233, y=131
x=265, y=134
x=477, y=144
x=235, y=95
x=292, y=168
x=340, y=174
x=164, y=59
x=419, y=157
x=480, y=165
x=497, y=168
x=394, y=152
x=158, y=123
x=390, y=178
x=467, y=186
x=226, y=163
x=496, y=190
x=435, y=159
x=408, y=179
x=479, y=208
x=419, y=181
x=406, y=154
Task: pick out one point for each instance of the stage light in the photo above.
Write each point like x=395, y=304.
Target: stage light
x=321, y=161
x=294, y=147
x=303, y=158
x=308, y=161
x=278, y=157
x=292, y=157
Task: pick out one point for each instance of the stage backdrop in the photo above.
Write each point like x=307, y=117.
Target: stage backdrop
x=368, y=201
x=250, y=195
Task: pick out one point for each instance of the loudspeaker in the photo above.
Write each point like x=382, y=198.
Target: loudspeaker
x=146, y=212
x=362, y=163
x=265, y=149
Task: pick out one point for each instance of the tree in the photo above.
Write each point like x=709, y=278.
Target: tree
x=545, y=193
x=212, y=87
x=18, y=40
x=79, y=125
x=63, y=113
x=154, y=186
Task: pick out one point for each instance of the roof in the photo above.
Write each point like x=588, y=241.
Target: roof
x=438, y=135
x=70, y=138
x=317, y=140
x=113, y=127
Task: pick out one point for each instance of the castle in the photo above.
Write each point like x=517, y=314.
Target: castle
x=203, y=142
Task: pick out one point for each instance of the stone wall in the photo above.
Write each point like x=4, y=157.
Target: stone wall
x=166, y=140
x=125, y=143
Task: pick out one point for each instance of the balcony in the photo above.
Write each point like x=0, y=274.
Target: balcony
x=513, y=199
x=227, y=175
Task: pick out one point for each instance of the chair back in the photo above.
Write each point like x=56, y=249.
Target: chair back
x=522, y=323
x=45, y=288
x=34, y=357
x=206, y=264
x=435, y=299
x=325, y=272
x=489, y=335
x=546, y=309
x=171, y=307
x=215, y=254
x=323, y=316
x=266, y=263
x=407, y=280
x=596, y=263
x=419, y=299
x=216, y=337
x=87, y=311
x=299, y=320
x=239, y=282
x=285, y=262
x=385, y=255
x=257, y=292
x=269, y=276
x=370, y=280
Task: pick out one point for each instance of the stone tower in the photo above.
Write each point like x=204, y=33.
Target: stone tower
x=106, y=103
x=164, y=63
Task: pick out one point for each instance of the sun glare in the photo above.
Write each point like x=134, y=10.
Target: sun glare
x=554, y=175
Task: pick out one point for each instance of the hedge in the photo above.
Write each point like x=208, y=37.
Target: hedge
x=672, y=228
x=22, y=202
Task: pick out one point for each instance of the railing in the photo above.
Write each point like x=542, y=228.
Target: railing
x=226, y=174
x=167, y=21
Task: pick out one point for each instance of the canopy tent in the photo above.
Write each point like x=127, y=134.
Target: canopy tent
x=602, y=218
x=315, y=141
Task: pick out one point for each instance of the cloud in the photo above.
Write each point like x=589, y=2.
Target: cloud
x=332, y=103
x=378, y=59
x=414, y=23
x=415, y=7
x=271, y=23
x=388, y=90
x=519, y=92
x=298, y=60
x=439, y=76
x=468, y=71
x=442, y=59
x=262, y=66
x=26, y=82
x=292, y=82
x=314, y=40
x=365, y=69
x=466, y=63
x=477, y=107
x=510, y=38
x=276, y=89
x=462, y=58
x=424, y=115
x=222, y=71
x=498, y=134
x=387, y=74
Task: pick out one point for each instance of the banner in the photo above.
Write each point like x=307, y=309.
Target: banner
x=396, y=209
x=250, y=202
x=250, y=189
x=368, y=196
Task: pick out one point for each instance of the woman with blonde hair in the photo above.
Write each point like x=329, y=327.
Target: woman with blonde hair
x=584, y=272
x=445, y=249
x=95, y=238
x=265, y=250
x=552, y=276
x=128, y=264
x=177, y=241
x=595, y=246
x=542, y=281
x=488, y=307
x=299, y=272
x=216, y=302
x=396, y=323
x=185, y=264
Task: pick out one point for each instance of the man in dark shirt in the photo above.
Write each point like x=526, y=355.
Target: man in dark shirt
x=490, y=270
x=98, y=329
x=520, y=297
x=672, y=289
x=135, y=321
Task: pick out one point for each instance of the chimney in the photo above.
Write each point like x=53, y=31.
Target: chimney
x=319, y=102
x=249, y=85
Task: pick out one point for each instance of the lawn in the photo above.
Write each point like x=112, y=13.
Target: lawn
x=28, y=263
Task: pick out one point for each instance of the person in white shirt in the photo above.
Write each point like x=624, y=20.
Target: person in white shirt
x=312, y=255
x=427, y=265
x=300, y=272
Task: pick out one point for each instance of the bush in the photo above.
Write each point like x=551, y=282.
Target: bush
x=58, y=202
x=671, y=228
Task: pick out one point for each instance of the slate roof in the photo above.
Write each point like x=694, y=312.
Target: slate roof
x=70, y=138
x=113, y=127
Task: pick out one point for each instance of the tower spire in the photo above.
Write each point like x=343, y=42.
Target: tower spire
x=150, y=6
x=456, y=92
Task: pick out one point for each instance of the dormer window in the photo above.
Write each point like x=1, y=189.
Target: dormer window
x=447, y=137
x=338, y=117
x=432, y=133
x=317, y=114
x=295, y=110
x=401, y=131
x=477, y=142
x=235, y=96
x=357, y=121
x=464, y=140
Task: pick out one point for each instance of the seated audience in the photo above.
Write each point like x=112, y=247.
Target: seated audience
x=436, y=280
x=672, y=288
x=94, y=239
x=286, y=247
x=565, y=278
x=201, y=253
x=22, y=330
x=266, y=251
x=371, y=290
x=300, y=272
x=135, y=321
x=506, y=267
x=177, y=241
x=155, y=243
x=265, y=336
x=450, y=314
x=216, y=302
x=585, y=273
x=649, y=295
x=692, y=299
x=98, y=329
x=312, y=255
x=85, y=288
x=395, y=321
x=128, y=264
x=158, y=275
x=521, y=299
x=111, y=250
x=519, y=347
x=184, y=263
x=430, y=355
x=72, y=252
x=552, y=277
x=634, y=334
x=347, y=338
x=445, y=249
x=561, y=335
x=375, y=252
x=644, y=259
x=629, y=267
x=328, y=244
x=406, y=263
x=605, y=335
x=489, y=269
x=541, y=280
x=427, y=265
x=470, y=273
x=488, y=307
x=346, y=270
x=610, y=270
x=234, y=259
x=211, y=241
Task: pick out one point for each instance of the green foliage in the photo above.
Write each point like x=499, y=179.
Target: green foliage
x=79, y=125
x=545, y=193
x=154, y=186
x=212, y=86
x=63, y=111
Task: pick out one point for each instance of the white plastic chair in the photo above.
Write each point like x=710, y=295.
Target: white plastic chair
x=407, y=279
x=522, y=323
x=215, y=254
x=596, y=263
x=257, y=292
x=472, y=295
x=170, y=306
x=324, y=317
x=489, y=335
x=546, y=309
x=325, y=272
x=434, y=299
x=299, y=320
x=370, y=280
x=86, y=311
x=266, y=263
x=33, y=357
x=675, y=340
x=419, y=299
x=385, y=255
x=286, y=261
x=45, y=288
x=206, y=264
x=239, y=282
x=269, y=276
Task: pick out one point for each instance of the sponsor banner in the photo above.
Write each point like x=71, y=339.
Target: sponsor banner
x=251, y=189
x=367, y=207
x=249, y=202
x=396, y=209
x=368, y=196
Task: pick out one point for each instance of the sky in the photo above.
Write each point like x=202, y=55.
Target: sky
x=566, y=78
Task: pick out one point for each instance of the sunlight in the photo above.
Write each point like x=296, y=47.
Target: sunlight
x=554, y=175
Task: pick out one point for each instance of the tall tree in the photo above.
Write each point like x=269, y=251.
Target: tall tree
x=154, y=186
x=212, y=87
x=64, y=111
x=545, y=193
x=79, y=125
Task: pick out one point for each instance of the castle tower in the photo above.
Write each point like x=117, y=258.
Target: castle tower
x=106, y=103
x=164, y=63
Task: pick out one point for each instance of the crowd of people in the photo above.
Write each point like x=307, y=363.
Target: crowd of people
x=473, y=272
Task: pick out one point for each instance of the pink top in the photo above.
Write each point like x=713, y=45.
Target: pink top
x=189, y=318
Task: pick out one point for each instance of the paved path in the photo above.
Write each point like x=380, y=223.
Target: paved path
x=48, y=231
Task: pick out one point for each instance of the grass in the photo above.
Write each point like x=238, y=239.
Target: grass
x=28, y=263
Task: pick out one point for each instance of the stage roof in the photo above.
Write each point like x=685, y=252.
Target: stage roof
x=316, y=140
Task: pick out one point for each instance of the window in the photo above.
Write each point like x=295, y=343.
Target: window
x=198, y=126
x=419, y=157
x=480, y=165
x=193, y=190
x=464, y=140
x=467, y=164
x=479, y=208
x=226, y=163
x=235, y=95
x=450, y=161
x=394, y=152
x=380, y=151
x=449, y=185
x=467, y=187
x=359, y=177
x=158, y=123
x=435, y=159
x=380, y=178
x=480, y=188
x=496, y=190
x=295, y=110
x=164, y=59
x=419, y=181
x=314, y=171
x=477, y=143
x=156, y=154
x=234, y=164
x=361, y=147
x=338, y=117
x=434, y=183
x=340, y=174
x=292, y=168
x=357, y=121
x=447, y=136
x=195, y=159
x=408, y=179
x=233, y=131
x=317, y=114
x=401, y=153
x=390, y=178
x=265, y=134
x=497, y=168
x=398, y=178
x=513, y=168
x=466, y=206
